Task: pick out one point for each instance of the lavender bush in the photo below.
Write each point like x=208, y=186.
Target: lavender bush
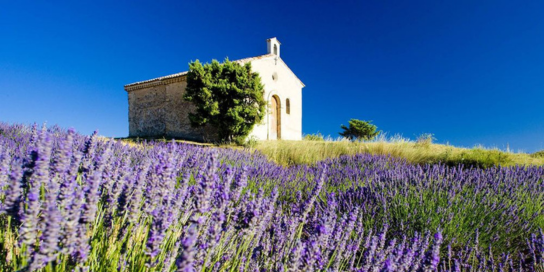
x=70, y=202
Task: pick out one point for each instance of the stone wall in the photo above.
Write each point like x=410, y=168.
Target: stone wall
x=177, y=120
x=158, y=110
x=147, y=112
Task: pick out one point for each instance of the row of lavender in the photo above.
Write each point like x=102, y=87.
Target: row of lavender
x=75, y=202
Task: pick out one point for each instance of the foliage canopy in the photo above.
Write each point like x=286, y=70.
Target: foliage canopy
x=227, y=96
x=359, y=130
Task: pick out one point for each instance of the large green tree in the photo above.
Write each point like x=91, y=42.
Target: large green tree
x=227, y=96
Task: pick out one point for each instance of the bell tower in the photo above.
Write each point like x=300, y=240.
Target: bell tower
x=273, y=46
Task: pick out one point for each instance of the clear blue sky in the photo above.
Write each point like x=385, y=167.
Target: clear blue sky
x=470, y=72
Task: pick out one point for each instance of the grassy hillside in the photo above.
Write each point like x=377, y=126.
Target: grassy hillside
x=419, y=152
x=309, y=152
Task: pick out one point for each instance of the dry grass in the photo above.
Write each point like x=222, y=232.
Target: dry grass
x=135, y=141
x=308, y=152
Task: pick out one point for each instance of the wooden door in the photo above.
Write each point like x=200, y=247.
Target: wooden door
x=275, y=118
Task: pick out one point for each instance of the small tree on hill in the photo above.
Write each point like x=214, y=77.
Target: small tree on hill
x=359, y=130
x=227, y=96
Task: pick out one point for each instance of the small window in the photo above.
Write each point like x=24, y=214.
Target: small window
x=275, y=50
x=288, y=106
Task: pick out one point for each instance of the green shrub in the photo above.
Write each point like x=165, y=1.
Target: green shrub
x=538, y=154
x=359, y=130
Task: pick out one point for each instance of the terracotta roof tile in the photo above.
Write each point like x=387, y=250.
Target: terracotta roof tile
x=157, y=79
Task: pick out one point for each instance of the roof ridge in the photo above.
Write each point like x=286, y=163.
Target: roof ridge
x=185, y=72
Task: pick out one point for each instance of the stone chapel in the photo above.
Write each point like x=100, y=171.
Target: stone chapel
x=157, y=109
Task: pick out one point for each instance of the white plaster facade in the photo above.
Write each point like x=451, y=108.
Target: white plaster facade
x=146, y=101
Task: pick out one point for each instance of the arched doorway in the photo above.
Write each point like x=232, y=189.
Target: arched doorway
x=275, y=118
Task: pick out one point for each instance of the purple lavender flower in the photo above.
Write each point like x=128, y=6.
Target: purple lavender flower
x=388, y=266
x=239, y=184
x=29, y=227
x=307, y=206
x=185, y=261
x=81, y=247
x=4, y=168
x=93, y=181
x=72, y=213
x=433, y=256
x=49, y=240
x=13, y=198
x=295, y=257
x=135, y=200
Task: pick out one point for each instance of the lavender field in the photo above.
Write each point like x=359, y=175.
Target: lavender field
x=71, y=202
